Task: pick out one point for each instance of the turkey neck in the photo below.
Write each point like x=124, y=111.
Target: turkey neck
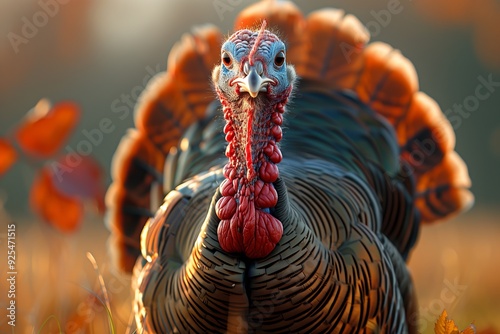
x=252, y=130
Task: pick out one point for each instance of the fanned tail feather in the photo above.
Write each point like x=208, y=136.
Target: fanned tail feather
x=388, y=83
x=444, y=190
x=339, y=36
x=137, y=165
x=328, y=47
x=332, y=49
x=184, y=93
x=171, y=102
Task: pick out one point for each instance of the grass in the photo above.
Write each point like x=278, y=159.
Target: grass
x=65, y=283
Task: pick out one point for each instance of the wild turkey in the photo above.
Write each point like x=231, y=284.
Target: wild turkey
x=317, y=245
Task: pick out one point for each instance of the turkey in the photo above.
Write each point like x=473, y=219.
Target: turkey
x=298, y=162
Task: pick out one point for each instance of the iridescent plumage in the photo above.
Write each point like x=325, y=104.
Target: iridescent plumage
x=333, y=171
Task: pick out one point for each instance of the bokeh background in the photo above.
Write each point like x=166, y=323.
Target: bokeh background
x=95, y=52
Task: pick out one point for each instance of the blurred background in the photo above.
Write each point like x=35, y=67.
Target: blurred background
x=100, y=54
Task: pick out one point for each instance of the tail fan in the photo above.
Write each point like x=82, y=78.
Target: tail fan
x=332, y=49
x=171, y=102
x=328, y=47
x=183, y=95
x=388, y=83
x=136, y=167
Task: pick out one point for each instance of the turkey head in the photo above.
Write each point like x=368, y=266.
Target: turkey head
x=253, y=83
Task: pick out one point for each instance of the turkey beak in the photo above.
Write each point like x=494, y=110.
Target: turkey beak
x=255, y=81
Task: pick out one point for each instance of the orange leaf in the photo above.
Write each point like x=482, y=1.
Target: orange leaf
x=61, y=211
x=447, y=326
x=8, y=156
x=44, y=129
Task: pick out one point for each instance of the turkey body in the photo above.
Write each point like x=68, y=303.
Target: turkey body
x=333, y=270
x=306, y=225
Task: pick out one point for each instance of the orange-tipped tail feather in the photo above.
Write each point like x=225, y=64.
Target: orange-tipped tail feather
x=169, y=105
x=332, y=49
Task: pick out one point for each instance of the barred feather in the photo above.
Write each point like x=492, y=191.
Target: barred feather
x=367, y=157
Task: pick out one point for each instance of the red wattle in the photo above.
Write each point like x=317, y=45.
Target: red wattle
x=246, y=225
x=261, y=237
x=277, y=118
x=226, y=188
x=229, y=233
x=269, y=149
x=249, y=230
x=229, y=136
x=268, y=172
x=276, y=157
x=277, y=132
x=230, y=150
x=226, y=207
x=265, y=195
x=228, y=128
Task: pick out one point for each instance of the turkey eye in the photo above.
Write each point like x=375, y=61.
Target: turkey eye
x=280, y=59
x=226, y=60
